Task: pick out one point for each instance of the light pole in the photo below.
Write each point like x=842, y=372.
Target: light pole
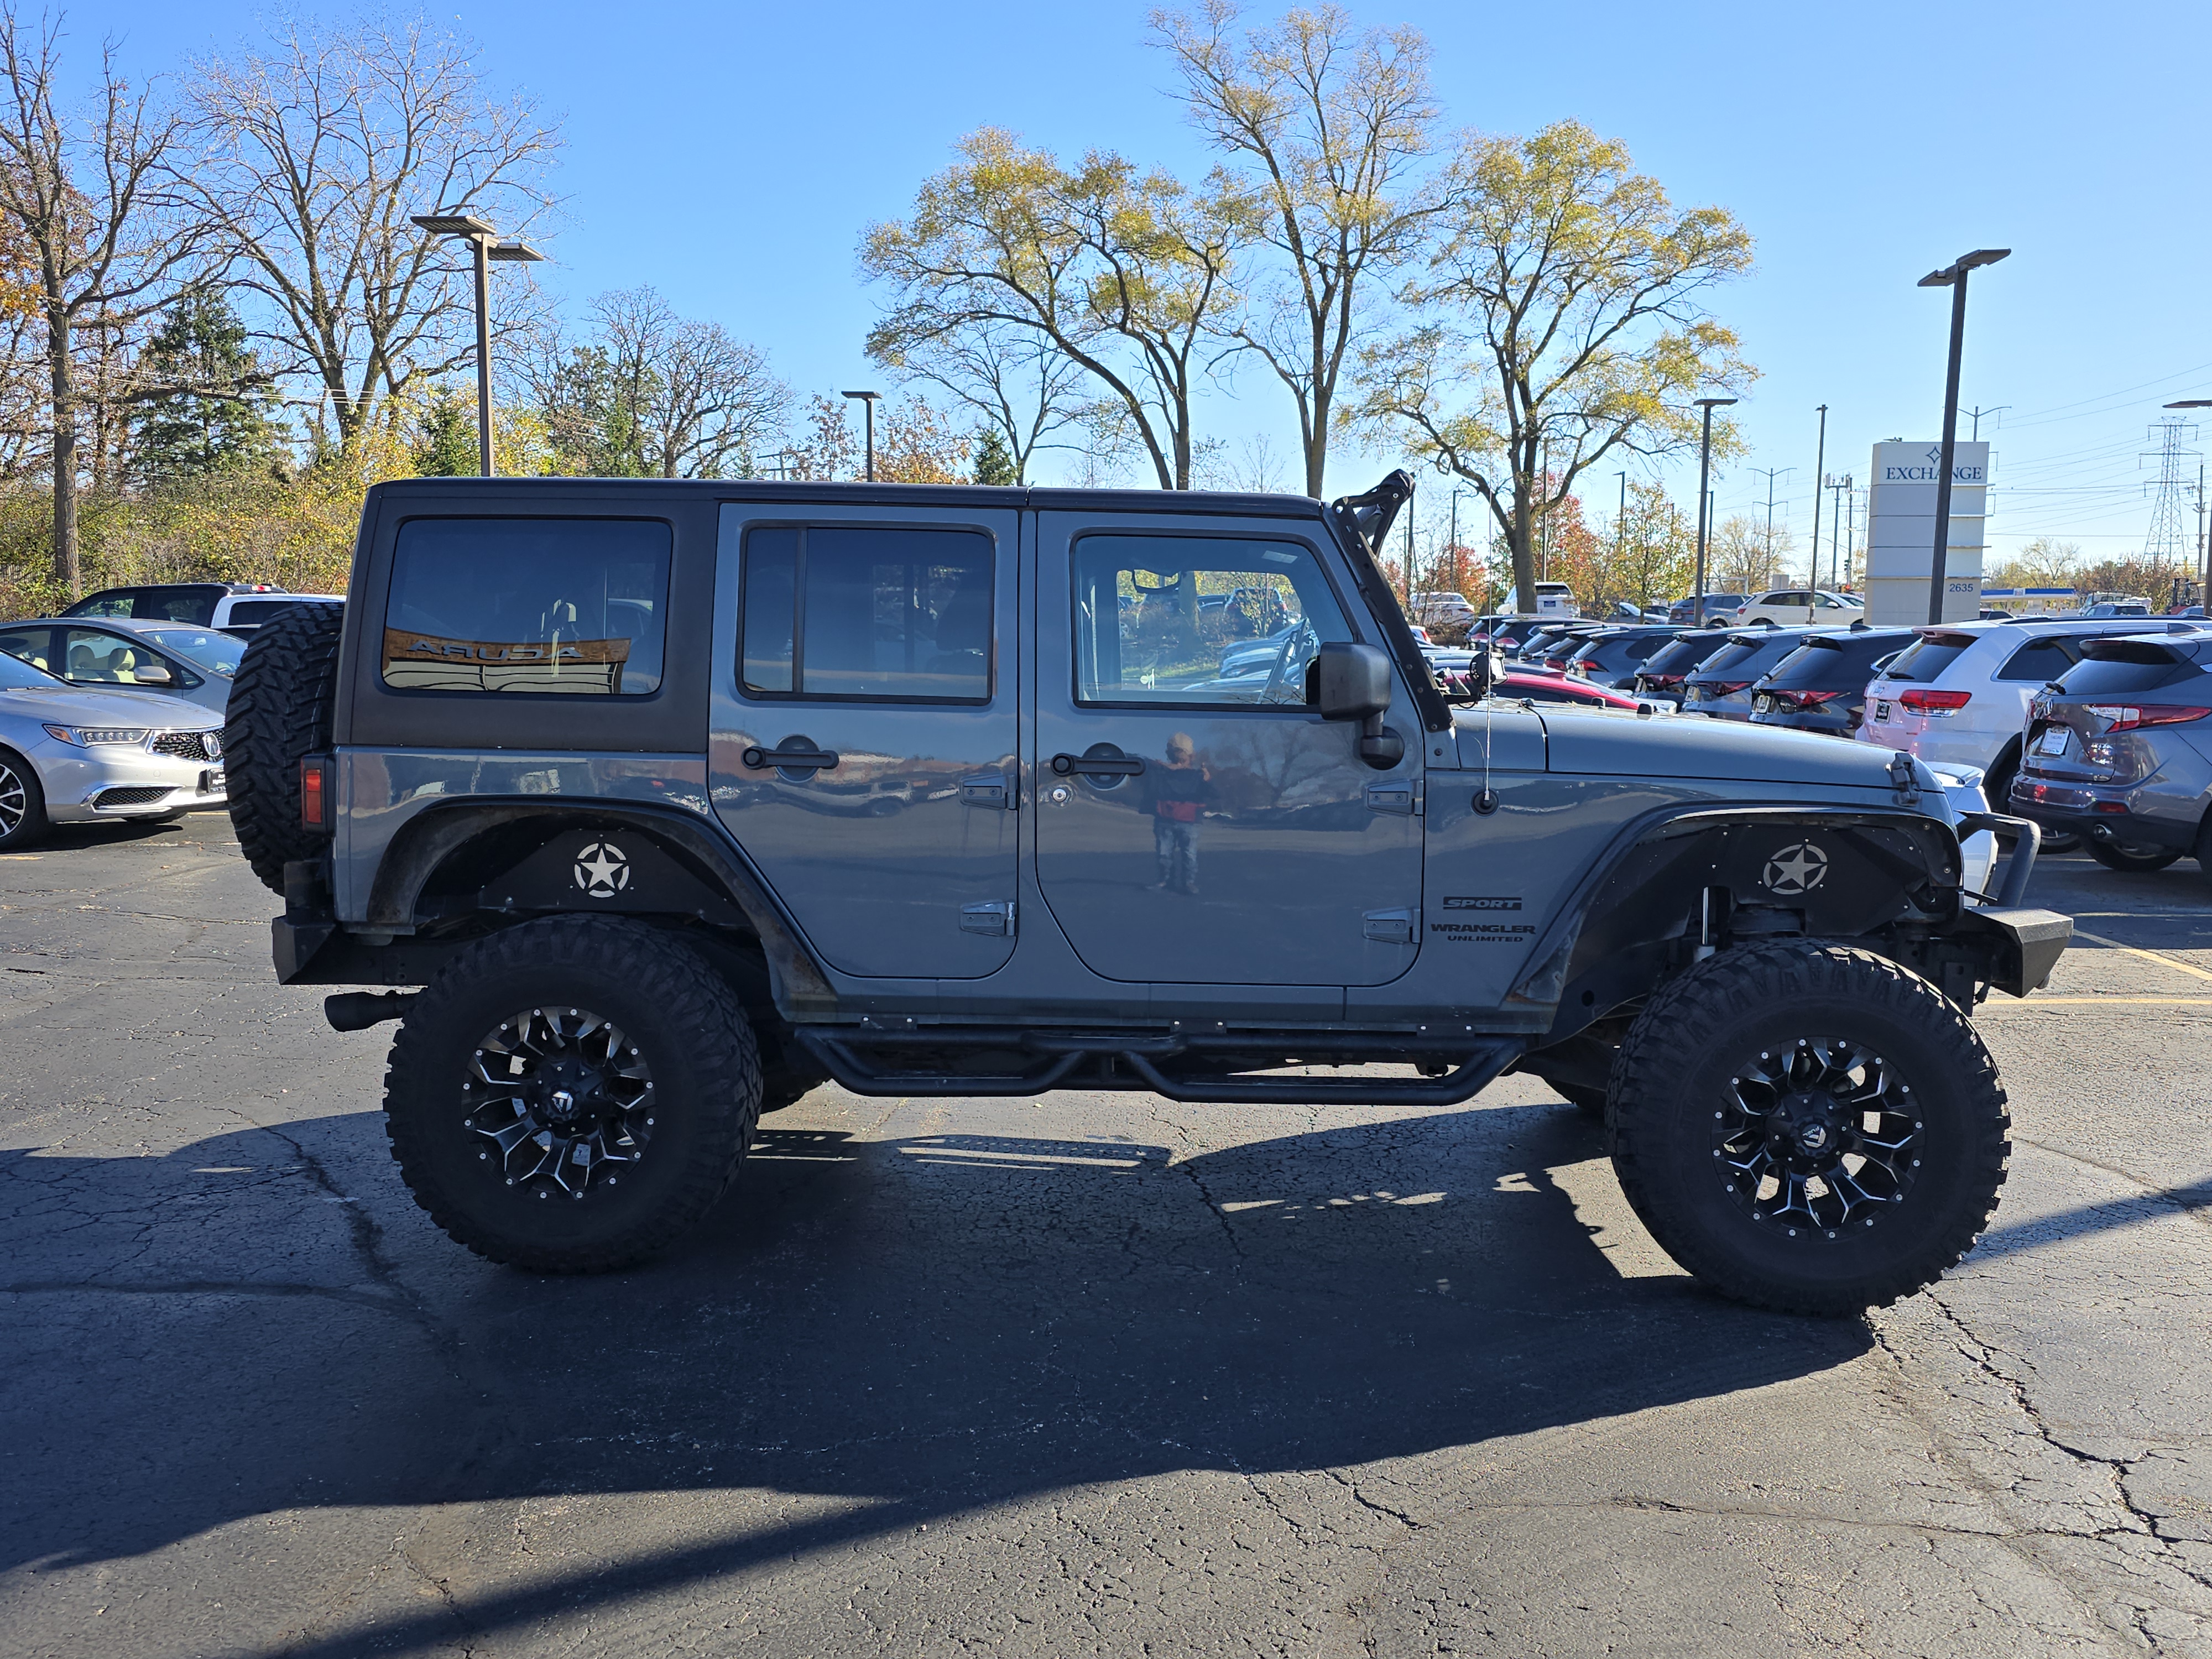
x=1705, y=504
x=1456, y=494
x=868, y=400
x=1976, y=413
x=1819, y=472
x=1837, y=555
x=1620, y=535
x=1772, y=472
x=2203, y=554
x=1952, y=276
x=482, y=237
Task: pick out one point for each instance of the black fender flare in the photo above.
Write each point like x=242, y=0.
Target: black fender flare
x=440, y=833
x=1668, y=844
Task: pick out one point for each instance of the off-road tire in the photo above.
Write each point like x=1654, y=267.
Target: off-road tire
x=279, y=710
x=22, y=803
x=2130, y=860
x=687, y=1024
x=1713, y=1022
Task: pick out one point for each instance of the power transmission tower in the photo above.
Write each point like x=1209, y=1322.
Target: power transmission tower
x=2168, y=538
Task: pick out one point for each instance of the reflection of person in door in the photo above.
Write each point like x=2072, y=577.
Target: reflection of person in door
x=1178, y=791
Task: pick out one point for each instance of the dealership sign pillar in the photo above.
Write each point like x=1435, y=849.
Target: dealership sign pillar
x=1901, y=531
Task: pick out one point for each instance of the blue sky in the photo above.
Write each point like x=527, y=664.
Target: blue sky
x=730, y=155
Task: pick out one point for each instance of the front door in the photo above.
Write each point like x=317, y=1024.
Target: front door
x=1195, y=822
x=864, y=742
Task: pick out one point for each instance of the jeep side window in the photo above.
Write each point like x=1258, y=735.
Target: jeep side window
x=869, y=612
x=1199, y=621
x=577, y=606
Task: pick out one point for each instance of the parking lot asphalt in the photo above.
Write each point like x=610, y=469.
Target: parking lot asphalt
x=1096, y=1374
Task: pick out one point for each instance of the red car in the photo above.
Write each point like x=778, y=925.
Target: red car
x=1555, y=689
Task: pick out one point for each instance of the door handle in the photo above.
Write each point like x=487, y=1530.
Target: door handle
x=796, y=754
x=1098, y=766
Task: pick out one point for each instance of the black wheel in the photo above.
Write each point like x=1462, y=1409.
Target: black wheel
x=22, y=803
x=2132, y=860
x=571, y=1095
x=1808, y=1127
x=279, y=710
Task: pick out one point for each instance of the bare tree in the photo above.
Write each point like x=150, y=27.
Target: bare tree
x=100, y=232
x=652, y=395
x=1022, y=386
x=312, y=157
x=1329, y=130
x=1125, y=273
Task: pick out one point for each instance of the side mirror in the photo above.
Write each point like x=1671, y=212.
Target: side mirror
x=1349, y=682
x=152, y=674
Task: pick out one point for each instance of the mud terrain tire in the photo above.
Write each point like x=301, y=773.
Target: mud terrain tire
x=1740, y=1071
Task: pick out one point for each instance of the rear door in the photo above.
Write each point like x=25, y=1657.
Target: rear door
x=1197, y=826
x=864, y=729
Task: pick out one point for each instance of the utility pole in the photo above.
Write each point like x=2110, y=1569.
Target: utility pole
x=2203, y=593
x=1544, y=524
x=1705, y=504
x=1771, y=473
x=1850, y=527
x=1820, y=472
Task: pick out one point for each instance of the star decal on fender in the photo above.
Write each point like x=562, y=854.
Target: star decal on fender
x=602, y=870
x=1796, y=869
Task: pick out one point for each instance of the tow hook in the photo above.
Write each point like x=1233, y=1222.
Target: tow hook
x=356, y=1010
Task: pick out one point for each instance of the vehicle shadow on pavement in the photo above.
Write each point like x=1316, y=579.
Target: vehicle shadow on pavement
x=262, y=1321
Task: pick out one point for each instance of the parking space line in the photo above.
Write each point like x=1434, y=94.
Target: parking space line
x=2159, y=958
x=2041, y=1001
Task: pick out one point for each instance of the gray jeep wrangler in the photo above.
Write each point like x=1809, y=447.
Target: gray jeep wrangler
x=663, y=803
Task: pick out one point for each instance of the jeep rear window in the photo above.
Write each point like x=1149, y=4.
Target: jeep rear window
x=572, y=605
x=1199, y=621
x=867, y=612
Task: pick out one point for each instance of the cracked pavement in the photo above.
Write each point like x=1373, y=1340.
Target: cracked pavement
x=1087, y=1375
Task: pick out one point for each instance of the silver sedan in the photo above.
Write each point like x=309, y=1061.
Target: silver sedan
x=76, y=754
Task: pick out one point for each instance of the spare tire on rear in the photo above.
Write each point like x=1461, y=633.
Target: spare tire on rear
x=279, y=711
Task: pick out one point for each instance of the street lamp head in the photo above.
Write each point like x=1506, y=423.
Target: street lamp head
x=871, y=396
x=453, y=224
x=515, y=249
x=1965, y=263
x=2192, y=403
x=1712, y=402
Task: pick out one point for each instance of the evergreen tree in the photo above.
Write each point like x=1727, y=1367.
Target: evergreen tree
x=212, y=410
x=993, y=465
x=445, y=437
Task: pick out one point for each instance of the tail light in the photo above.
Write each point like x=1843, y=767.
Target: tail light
x=1728, y=688
x=315, y=793
x=1663, y=679
x=1924, y=700
x=2122, y=718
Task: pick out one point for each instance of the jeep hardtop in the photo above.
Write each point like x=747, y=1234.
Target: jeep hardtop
x=661, y=804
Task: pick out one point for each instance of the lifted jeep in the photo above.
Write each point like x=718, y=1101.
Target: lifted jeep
x=662, y=802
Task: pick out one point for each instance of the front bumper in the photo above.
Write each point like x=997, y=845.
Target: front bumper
x=116, y=780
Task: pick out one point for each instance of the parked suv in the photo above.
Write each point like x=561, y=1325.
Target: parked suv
x=571, y=769
x=1720, y=685
x=2119, y=751
x=1668, y=670
x=1720, y=611
x=1612, y=658
x=233, y=607
x=1821, y=685
x=1960, y=692
x=1802, y=607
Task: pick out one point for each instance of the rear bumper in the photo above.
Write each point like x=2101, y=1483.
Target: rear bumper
x=2133, y=815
